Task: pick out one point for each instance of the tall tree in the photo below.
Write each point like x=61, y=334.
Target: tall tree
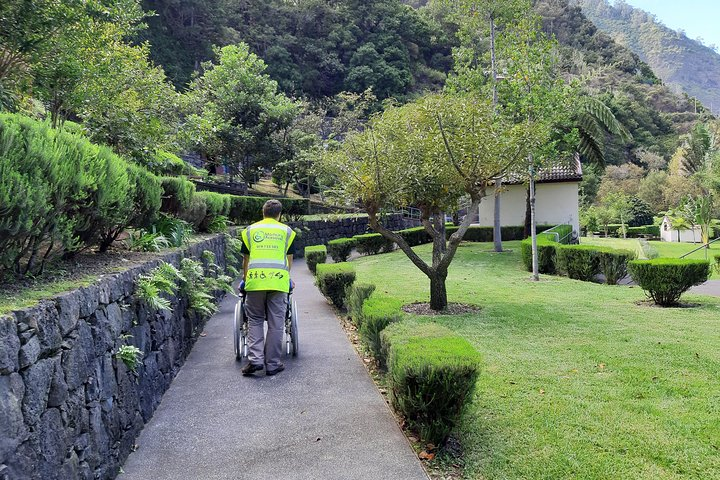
x=235, y=110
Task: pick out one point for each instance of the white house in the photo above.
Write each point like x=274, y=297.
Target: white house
x=668, y=234
x=557, y=198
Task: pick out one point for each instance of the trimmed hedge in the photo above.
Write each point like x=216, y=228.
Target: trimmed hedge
x=646, y=230
x=315, y=254
x=340, y=249
x=614, y=263
x=415, y=236
x=485, y=234
x=546, y=254
x=333, y=280
x=432, y=376
x=372, y=244
x=666, y=279
x=580, y=262
x=355, y=298
x=377, y=313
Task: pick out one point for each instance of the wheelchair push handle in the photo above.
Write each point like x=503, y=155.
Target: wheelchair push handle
x=241, y=287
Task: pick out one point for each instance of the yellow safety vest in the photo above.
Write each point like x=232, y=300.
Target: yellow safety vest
x=268, y=241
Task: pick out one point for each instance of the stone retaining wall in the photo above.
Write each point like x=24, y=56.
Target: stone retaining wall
x=319, y=232
x=68, y=408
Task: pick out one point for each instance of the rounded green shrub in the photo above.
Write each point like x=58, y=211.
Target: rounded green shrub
x=315, y=254
x=333, y=280
x=432, y=373
x=666, y=279
x=340, y=249
x=378, y=312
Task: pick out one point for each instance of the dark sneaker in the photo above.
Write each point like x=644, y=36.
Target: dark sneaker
x=279, y=369
x=250, y=368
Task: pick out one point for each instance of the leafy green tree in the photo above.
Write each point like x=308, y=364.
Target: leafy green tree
x=235, y=110
x=428, y=153
x=621, y=205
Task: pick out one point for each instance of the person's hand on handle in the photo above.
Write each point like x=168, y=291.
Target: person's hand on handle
x=292, y=285
x=241, y=287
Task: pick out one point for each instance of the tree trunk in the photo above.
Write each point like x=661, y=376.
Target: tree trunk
x=533, y=227
x=438, y=291
x=497, y=227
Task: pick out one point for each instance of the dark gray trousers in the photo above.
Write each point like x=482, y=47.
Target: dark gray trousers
x=261, y=306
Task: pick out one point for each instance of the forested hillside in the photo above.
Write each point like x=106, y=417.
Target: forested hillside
x=680, y=61
x=313, y=48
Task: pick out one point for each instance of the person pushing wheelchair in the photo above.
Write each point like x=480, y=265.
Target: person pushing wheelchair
x=268, y=248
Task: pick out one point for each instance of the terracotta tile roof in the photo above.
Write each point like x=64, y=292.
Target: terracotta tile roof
x=565, y=172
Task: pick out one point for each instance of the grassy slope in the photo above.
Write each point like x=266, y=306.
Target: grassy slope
x=578, y=380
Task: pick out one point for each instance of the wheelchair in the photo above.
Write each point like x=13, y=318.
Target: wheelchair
x=241, y=328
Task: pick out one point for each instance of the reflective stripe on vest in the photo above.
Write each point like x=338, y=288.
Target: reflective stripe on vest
x=268, y=242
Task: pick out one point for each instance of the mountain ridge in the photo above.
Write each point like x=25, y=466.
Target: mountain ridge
x=681, y=62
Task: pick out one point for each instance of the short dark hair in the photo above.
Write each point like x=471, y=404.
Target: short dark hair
x=272, y=209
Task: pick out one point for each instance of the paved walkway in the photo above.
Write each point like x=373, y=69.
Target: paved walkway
x=711, y=287
x=322, y=418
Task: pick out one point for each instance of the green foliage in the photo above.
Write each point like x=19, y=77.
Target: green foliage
x=415, y=236
x=218, y=224
x=177, y=195
x=130, y=355
x=162, y=162
x=377, y=313
x=162, y=279
x=144, y=241
x=432, y=373
x=666, y=279
x=546, y=255
x=177, y=232
x=313, y=50
x=314, y=255
x=60, y=193
x=340, y=249
x=235, y=112
x=355, y=298
x=372, y=244
x=613, y=264
x=333, y=280
x=645, y=230
x=580, y=262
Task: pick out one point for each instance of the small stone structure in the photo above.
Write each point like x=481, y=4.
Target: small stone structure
x=687, y=235
x=319, y=232
x=68, y=408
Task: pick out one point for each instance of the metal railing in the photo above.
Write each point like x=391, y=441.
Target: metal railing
x=706, y=246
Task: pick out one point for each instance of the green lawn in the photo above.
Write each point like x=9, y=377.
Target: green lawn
x=578, y=380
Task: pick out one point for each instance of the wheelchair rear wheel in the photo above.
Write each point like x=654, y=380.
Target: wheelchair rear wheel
x=240, y=331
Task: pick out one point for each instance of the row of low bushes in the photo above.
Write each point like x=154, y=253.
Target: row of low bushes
x=615, y=230
x=580, y=262
x=431, y=371
x=202, y=209
x=373, y=243
x=664, y=279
